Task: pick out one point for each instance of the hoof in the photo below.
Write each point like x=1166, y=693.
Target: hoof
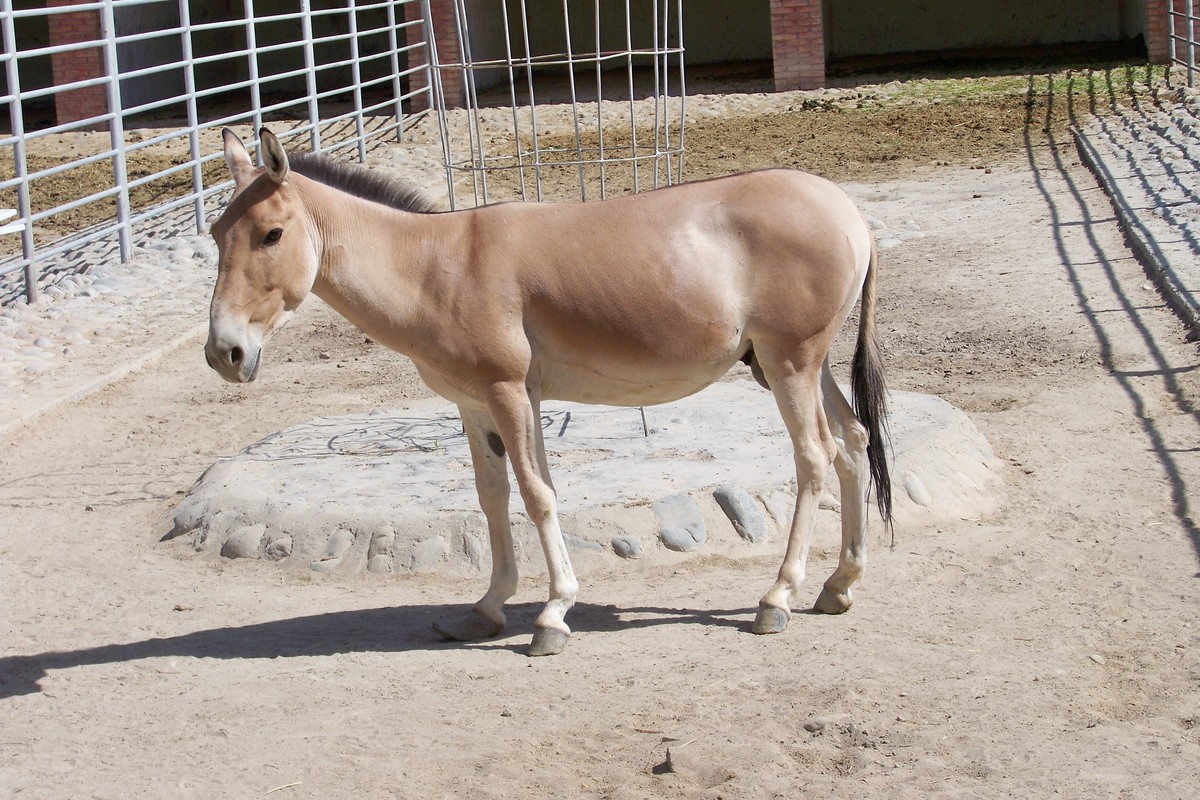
x=770, y=620
x=832, y=602
x=471, y=628
x=548, y=642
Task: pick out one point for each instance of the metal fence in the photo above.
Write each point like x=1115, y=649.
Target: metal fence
x=167, y=75
x=618, y=66
x=1182, y=23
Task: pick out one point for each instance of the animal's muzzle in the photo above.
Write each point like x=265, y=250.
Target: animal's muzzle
x=236, y=363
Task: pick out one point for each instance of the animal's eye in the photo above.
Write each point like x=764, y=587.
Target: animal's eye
x=273, y=236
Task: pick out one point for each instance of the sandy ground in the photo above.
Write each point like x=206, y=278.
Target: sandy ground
x=1050, y=648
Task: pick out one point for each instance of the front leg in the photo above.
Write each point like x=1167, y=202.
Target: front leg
x=487, y=619
x=516, y=413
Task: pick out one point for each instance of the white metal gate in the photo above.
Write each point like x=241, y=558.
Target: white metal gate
x=172, y=72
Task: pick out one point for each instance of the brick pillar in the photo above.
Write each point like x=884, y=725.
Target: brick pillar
x=1158, y=28
x=798, y=44
x=445, y=30
x=77, y=65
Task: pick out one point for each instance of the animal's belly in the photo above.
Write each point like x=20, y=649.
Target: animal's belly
x=639, y=384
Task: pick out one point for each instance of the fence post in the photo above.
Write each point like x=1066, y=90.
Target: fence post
x=193, y=117
x=356, y=80
x=310, y=76
x=16, y=117
x=116, y=129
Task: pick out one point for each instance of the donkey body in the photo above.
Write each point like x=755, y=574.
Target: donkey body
x=630, y=301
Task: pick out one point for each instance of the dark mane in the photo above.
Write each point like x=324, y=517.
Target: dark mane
x=360, y=182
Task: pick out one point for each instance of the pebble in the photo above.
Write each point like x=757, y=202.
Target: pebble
x=743, y=512
x=339, y=543
x=244, y=542
x=815, y=724
x=627, y=546
x=681, y=525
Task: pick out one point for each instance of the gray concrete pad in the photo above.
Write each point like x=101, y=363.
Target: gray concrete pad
x=713, y=473
x=1148, y=161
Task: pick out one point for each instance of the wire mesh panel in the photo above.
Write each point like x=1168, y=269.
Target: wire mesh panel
x=539, y=97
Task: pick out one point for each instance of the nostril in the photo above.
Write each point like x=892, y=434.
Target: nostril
x=236, y=355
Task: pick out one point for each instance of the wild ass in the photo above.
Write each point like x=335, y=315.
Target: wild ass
x=630, y=301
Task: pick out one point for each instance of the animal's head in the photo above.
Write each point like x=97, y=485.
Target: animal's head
x=267, y=258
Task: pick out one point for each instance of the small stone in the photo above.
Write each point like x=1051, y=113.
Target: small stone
x=244, y=542
x=339, y=543
x=815, y=725
x=627, y=546
x=743, y=512
x=681, y=526
x=379, y=564
x=426, y=554
x=324, y=356
x=1099, y=659
x=278, y=549
x=917, y=491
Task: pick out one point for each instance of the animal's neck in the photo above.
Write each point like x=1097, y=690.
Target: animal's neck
x=368, y=260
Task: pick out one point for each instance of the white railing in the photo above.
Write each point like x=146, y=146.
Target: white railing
x=1183, y=25
x=334, y=73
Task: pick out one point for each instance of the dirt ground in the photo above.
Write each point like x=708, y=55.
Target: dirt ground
x=1051, y=648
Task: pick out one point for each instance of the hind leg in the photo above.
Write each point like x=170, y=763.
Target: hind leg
x=853, y=476
x=799, y=403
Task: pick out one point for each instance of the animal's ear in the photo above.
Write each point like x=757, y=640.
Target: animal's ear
x=236, y=155
x=274, y=156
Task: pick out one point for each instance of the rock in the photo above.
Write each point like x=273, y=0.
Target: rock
x=627, y=546
x=681, y=526
x=278, y=549
x=743, y=512
x=815, y=724
x=379, y=564
x=339, y=543
x=917, y=492
x=426, y=554
x=244, y=542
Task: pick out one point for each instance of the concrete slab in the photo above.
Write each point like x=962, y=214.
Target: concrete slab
x=394, y=492
x=1148, y=161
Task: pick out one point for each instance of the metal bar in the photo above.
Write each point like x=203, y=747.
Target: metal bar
x=599, y=105
x=193, y=120
x=394, y=58
x=574, y=102
x=252, y=68
x=17, y=121
x=310, y=79
x=356, y=84
x=116, y=130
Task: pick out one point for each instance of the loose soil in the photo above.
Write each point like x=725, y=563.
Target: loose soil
x=1049, y=648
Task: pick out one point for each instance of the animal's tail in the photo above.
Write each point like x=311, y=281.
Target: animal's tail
x=870, y=394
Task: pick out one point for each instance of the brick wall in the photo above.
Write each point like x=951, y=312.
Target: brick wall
x=1158, y=28
x=798, y=44
x=77, y=65
x=446, y=32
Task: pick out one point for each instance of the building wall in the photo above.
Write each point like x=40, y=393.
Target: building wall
x=875, y=27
